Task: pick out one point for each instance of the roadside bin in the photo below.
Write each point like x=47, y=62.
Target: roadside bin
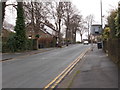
x=99, y=45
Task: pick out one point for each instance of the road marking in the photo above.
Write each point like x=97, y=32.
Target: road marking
x=65, y=72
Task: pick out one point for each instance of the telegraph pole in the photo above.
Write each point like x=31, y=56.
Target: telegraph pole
x=101, y=12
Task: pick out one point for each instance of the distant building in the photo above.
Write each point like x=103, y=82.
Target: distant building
x=96, y=32
x=96, y=29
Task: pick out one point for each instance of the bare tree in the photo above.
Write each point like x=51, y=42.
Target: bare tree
x=68, y=10
x=30, y=8
x=63, y=12
x=56, y=12
x=71, y=20
x=74, y=26
x=82, y=29
x=3, y=2
x=89, y=20
x=3, y=10
x=52, y=14
x=39, y=14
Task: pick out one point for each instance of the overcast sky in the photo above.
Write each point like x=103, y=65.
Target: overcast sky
x=10, y=13
x=86, y=7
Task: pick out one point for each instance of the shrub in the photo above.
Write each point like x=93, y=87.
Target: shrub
x=37, y=36
x=11, y=43
x=78, y=42
x=29, y=44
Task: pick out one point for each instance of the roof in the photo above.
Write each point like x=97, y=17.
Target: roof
x=42, y=30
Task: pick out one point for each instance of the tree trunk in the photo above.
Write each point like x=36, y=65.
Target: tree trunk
x=67, y=29
x=59, y=34
x=81, y=37
x=72, y=36
x=75, y=37
x=3, y=9
x=32, y=18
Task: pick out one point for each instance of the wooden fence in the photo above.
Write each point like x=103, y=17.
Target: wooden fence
x=112, y=47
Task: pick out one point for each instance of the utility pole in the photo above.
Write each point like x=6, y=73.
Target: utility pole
x=101, y=13
x=88, y=32
x=119, y=7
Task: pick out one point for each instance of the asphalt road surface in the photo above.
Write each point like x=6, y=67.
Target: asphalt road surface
x=38, y=70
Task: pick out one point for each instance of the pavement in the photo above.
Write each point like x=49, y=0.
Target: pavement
x=95, y=70
x=8, y=56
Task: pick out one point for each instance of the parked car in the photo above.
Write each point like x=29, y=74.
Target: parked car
x=85, y=42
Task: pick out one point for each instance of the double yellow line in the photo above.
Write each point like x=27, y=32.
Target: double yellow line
x=59, y=78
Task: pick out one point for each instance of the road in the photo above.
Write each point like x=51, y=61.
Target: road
x=95, y=70
x=38, y=70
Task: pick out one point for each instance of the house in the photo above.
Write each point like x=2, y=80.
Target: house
x=5, y=34
x=46, y=39
x=7, y=29
x=32, y=33
x=96, y=32
x=96, y=29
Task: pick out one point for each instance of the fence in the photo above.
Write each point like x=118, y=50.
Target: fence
x=46, y=42
x=112, y=47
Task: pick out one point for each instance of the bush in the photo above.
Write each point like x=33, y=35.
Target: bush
x=4, y=47
x=106, y=33
x=29, y=44
x=78, y=42
x=11, y=46
x=37, y=36
x=11, y=43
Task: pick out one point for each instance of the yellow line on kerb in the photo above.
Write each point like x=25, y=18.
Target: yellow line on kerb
x=57, y=80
